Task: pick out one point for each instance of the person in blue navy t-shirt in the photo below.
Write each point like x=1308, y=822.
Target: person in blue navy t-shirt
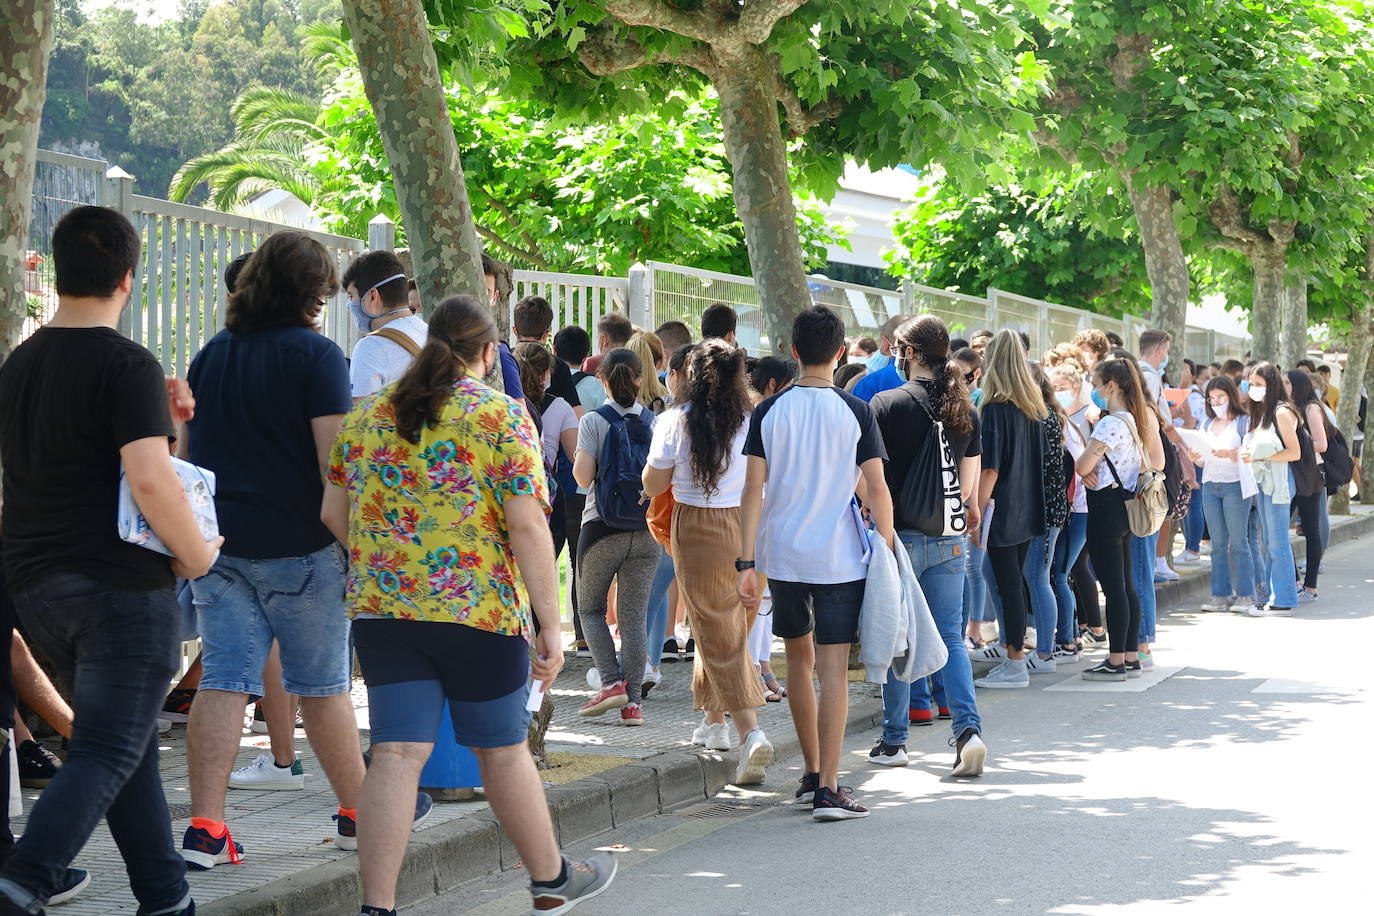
x=882, y=369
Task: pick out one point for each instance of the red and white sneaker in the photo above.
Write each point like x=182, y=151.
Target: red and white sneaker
x=630, y=714
x=606, y=699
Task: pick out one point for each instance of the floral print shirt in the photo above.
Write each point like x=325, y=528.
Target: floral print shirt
x=427, y=535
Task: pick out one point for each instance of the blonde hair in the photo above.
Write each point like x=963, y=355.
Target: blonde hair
x=1065, y=354
x=1007, y=378
x=1069, y=371
x=649, y=349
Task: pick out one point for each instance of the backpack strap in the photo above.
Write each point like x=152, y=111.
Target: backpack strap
x=400, y=338
x=1129, y=421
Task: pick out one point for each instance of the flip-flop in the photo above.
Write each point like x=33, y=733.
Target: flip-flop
x=773, y=692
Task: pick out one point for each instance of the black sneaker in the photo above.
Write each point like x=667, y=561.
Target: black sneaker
x=969, y=753
x=1105, y=671
x=810, y=782
x=1133, y=669
x=835, y=806
x=188, y=910
x=37, y=765
x=690, y=652
x=889, y=755
x=670, y=651
x=74, y=882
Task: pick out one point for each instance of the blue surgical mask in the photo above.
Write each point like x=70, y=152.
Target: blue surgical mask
x=360, y=317
x=1065, y=399
x=1244, y=387
x=877, y=362
x=1100, y=401
x=1164, y=364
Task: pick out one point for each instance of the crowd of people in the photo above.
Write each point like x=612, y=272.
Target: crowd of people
x=410, y=504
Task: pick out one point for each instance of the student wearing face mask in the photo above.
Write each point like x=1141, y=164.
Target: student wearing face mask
x=1270, y=445
x=379, y=300
x=882, y=371
x=1068, y=386
x=1225, y=502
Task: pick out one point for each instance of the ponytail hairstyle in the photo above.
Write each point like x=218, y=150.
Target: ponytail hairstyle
x=649, y=349
x=536, y=362
x=459, y=331
x=620, y=372
x=928, y=339
x=1126, y=375
x=1007, y=378
x=1262, y=412
x=717, y=404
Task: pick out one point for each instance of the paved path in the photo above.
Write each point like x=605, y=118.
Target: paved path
x=1233, y=780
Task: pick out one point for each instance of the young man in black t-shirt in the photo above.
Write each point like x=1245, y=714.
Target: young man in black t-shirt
x=77, y=401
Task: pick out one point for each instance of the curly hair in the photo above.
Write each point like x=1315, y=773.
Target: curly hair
x=283, y=285
x=717, y=405
x=1065, y=355
x=536, y=362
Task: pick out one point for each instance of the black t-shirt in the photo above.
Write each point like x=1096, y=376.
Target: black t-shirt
x=70, y=399
x=904, y=424
x=1013, y=446
x=255, y=397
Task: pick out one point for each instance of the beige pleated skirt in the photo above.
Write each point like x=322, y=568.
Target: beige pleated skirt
x=705, y=542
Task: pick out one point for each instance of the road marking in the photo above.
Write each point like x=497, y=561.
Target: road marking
x=1076, y=684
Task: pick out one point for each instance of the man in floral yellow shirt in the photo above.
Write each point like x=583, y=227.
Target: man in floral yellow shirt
x=438, y=492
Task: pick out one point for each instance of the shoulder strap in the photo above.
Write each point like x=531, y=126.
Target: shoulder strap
x=1135, y=434
x=400, y=338
x=610, y=414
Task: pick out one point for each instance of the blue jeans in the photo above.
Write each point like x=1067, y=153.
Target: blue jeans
x=975, y=586
x=1228, y=519
x=1044, y=604
x=1195, y=522
x=243, y=604
x=1143, y=580
x=1066, y=551
x=659, y=612
x=939, y=565
x=117, y=651
x=1259, y=551
x=1283, y=591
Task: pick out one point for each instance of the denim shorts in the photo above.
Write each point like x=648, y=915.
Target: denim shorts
x=243, y=604
x=413, y=667
x=831, y=610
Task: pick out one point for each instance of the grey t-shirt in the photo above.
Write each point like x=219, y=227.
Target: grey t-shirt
x=591, y=434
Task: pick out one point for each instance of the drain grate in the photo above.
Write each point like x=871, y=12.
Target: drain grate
x=718, y=809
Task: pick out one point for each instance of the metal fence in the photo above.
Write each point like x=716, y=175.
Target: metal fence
x=179, y=296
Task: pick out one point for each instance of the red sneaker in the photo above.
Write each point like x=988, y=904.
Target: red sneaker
x=922, y=717
x=606, y=699
x=944, y=712
x=630, y=714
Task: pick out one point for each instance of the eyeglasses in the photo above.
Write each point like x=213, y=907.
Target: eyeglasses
x=968, y=377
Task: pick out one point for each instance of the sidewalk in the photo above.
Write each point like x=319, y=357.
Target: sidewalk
x=605, y=775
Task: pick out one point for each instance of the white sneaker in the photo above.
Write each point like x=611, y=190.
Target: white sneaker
x=651, y=680
x=163, y=727
x=969, y=754
x=1273, y=611
x=1186, y=557
x=700, y=734
x=1037, y=665
x=1243, y=606
x=991, y=654
x=264, y=773
x=1163, y=572
x=1030, y=638
x=754, y=755
x=718, y=737
x=1010, y=674
x=1218, y=604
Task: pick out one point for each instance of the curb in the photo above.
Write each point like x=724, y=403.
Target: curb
x=445, y=856
x=1343, y=528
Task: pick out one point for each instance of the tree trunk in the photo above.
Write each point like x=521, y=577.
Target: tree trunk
x=1164, y=260
x=763, y=192
x=1357, y=362
x=1365, y=467
x=401, y=75
x=1293, y=333
x=1266, y=309
x=28, y=27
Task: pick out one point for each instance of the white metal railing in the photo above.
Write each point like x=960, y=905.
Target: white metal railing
x=579, y=299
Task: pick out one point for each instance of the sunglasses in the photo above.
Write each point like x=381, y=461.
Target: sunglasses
x=968, y=377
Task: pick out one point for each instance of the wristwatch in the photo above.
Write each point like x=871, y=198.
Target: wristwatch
x=742, y=565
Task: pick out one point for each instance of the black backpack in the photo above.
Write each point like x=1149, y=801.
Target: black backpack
x=1175, y=485
x=620, y=498
x=1340, y=467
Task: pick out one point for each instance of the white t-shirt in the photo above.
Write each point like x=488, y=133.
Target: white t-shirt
x=671, y=448
x=377, y=362
x=558, y=417
x=1219, y=436
x=591, y=433
x=1073, y=441
x=1116, y=430
x=814, y=440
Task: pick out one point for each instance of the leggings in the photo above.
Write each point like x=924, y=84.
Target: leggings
x=1309, y=513
x=1007, y=563
x=1085, y=591
x=1109, y=544
x=629, y=558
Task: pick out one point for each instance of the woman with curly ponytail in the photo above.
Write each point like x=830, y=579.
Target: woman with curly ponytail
x=934, y=448
x=698, y=449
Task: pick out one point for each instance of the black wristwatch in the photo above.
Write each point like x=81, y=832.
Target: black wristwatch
x=742, y=565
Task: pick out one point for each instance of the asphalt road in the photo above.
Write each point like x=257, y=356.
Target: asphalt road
x=1230, y=781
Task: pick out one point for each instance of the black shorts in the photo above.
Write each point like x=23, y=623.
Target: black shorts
x=831, y=610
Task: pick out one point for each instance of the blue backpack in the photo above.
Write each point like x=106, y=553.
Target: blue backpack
x=620, y=498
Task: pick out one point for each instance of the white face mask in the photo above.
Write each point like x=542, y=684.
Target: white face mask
x=1257, y=392
x=1222, y=411
x=1065, y=399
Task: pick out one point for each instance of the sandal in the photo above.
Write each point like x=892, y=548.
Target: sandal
x=773, y=692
